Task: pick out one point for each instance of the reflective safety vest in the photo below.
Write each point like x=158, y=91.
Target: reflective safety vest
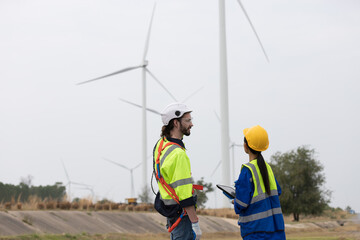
x=263, y=214
x=176, y=171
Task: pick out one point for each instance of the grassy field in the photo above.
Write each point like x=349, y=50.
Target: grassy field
x=348, y=232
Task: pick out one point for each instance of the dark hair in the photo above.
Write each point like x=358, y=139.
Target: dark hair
x=166, y=129
x=262, y=166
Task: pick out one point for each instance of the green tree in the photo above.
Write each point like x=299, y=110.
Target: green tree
x=201, y=195
x=23, y=191
x=301, y=179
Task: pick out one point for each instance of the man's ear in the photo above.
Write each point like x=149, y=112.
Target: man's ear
x=176, y=123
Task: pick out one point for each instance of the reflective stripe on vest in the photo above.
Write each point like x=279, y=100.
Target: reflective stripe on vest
x=241, y=203
x=178, y=183
x=259, y=195
x=170, y=201
x=171, y=148
x=181, y=182
x=260, y=215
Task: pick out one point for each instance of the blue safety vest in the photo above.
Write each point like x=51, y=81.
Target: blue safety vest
x=263, y=214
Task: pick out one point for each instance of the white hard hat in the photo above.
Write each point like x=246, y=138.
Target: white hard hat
x=174, y=110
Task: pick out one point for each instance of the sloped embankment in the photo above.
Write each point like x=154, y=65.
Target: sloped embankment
x=14, y=223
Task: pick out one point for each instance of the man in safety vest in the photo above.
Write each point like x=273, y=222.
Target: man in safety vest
x=176, y=198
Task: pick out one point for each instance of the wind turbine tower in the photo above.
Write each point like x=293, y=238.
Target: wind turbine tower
x=131, y=174
x=143, y=65
x=88, y=187
x=224, y=102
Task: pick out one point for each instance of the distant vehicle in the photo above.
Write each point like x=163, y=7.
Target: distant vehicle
x=131, y=201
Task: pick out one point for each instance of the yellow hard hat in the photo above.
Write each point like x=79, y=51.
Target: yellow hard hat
x=257, y=138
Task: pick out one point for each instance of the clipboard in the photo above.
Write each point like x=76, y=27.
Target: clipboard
x=227, y=189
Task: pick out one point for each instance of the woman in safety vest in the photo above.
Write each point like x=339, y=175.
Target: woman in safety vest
x=257, y=191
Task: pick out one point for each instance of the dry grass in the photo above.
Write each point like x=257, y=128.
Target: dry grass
x=328, y=215
x=220, y=212
x=35, y=203
x=347, y=232
x=345, y=235
x=32, y=203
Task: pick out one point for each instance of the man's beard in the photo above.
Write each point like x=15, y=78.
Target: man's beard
x=185, y=131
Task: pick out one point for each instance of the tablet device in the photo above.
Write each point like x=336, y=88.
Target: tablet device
x=227, y=189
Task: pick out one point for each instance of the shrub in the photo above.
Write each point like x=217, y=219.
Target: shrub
x=7, y=205
x=19, y=206
x=41, y=206
x=122, y=207
x=51, y=205
x=75, y=205
x=114, y=206
x=98, y=206
x=106, y=206
x=65, y=205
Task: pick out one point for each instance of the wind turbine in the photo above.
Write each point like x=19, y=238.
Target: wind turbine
x=139, y=106
x=144, y=66
x=89, y=188
x=71, y=182
x=232, y=147
x=155, y=111
x=224, y=102
x=131, y=173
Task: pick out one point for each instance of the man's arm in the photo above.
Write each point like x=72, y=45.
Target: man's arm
x=192, y=214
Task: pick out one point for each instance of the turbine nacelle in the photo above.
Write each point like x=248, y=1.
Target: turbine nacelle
x=145, y=63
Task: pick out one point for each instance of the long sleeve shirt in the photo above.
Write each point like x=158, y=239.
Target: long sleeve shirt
x=244, y=187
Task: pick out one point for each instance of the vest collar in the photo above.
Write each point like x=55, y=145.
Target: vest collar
x=178, y=141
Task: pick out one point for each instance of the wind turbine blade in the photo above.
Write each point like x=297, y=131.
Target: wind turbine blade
x=87, y=187
x=137, y=166
x=162, y=85
x=217, y=166
x=117, y=164
x=193, y=94
x=67, y=175
x=111, y=74
x=217, y=116
x=148, y=34
x=253, y=28
x=139, y=106
x=80, y=184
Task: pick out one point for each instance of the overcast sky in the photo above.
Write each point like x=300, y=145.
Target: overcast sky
x=307, y=95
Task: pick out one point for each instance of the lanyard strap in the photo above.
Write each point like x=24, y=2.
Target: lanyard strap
x=166, y=186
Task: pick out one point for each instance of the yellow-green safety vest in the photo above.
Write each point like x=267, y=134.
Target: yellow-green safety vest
x=176, y=171
x=259, y=187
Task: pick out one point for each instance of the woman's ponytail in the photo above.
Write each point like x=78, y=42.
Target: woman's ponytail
x=264, y=172
x=262, y=166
